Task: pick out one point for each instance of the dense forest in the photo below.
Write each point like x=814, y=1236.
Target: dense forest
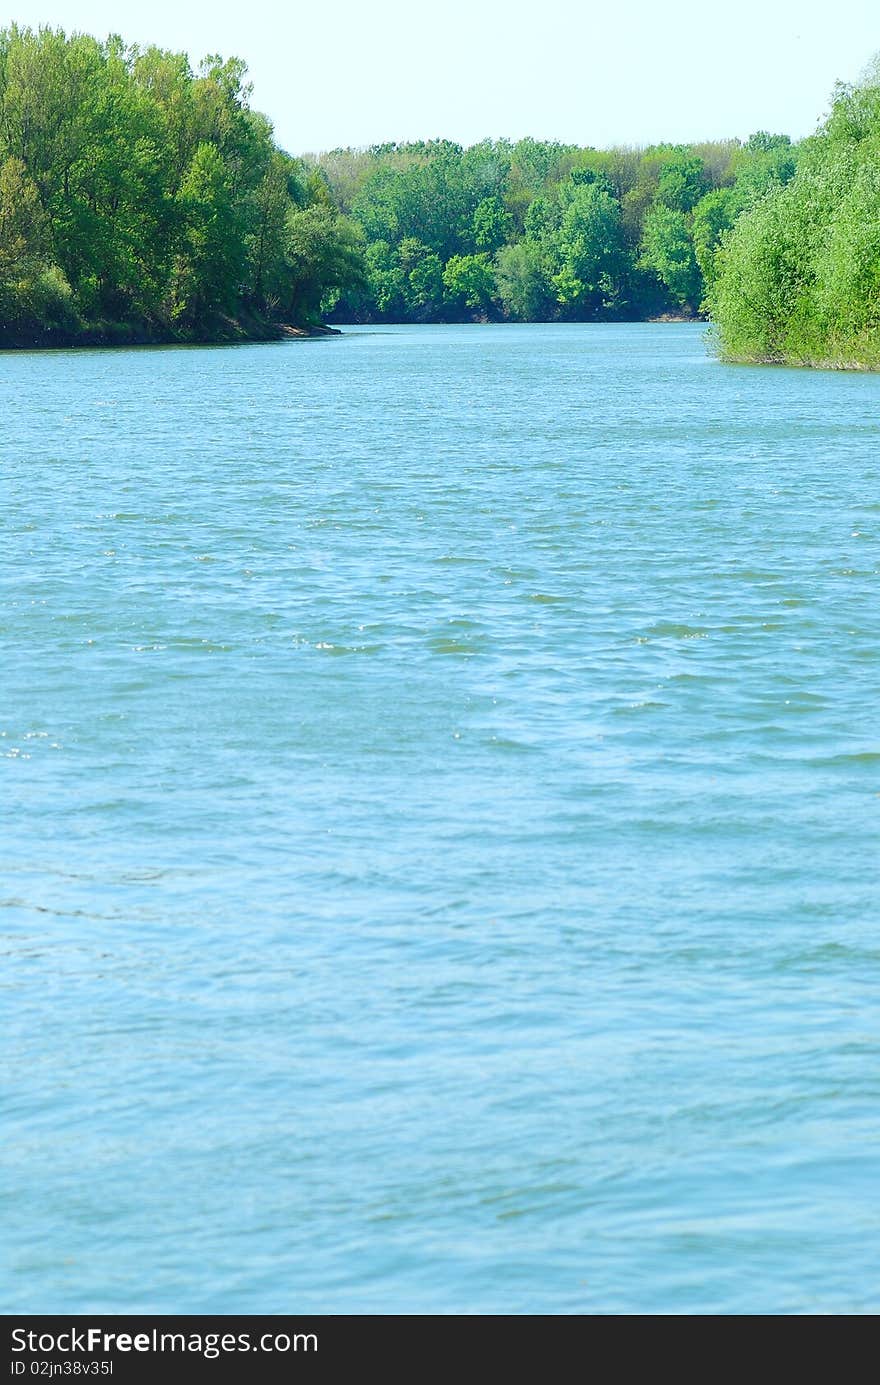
x=798, y=278
x=140, y=201
x=539, y=231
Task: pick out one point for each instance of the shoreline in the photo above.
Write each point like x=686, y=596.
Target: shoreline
x=108, y=336
x=232, y=333
x=804, y=363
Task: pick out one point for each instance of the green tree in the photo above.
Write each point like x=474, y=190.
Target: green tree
x=668, y=249
x=492, y=224
x=682, y=181
x=469, y=283
x=765, y=163
x=212, y=263
x=588, y=249
x=324, y=257
x=423, y=278
x=266, y=240
x=524, y=288
x=32, y=291
x=714, y=215
x=385, y=281
x=797, y=276
x=24, y=230
x=144, y=195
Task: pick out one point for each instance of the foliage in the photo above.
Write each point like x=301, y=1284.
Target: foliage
x=523, y=284
x=139, y=196
x=798, y=275
x=541, y=231
x=324, y=253
x=668, y=249
x=588, y=249
x=468, y=282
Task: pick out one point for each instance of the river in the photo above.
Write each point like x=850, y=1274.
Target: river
x=440, y=780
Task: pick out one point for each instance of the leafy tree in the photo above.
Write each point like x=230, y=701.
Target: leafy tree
x=325, y=255
x=468, y=282
x=588, y=248
x=542, y=219
x=668, y=249
x=32, y=291
x=385, y=280
x=24, y=231
x=765, y=163
x=492, y=224
x=714, y=215
x=211, y=265
x=798, y=275
x=267, y=214
x=136, y=194
x=682, y=182
x=423, y=272
x=523, y=284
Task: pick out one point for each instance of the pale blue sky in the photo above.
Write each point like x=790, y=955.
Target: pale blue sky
x=340, y=72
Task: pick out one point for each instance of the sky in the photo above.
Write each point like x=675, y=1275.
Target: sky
x=342, y=73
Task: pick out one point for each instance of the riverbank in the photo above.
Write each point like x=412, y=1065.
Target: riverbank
x=223, y=332
x=834, y=361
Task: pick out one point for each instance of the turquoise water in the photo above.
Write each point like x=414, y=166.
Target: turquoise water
x=440, y=795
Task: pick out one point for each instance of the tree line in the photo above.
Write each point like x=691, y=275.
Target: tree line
x=142, y=200
x=539, y=231
x=797, y=279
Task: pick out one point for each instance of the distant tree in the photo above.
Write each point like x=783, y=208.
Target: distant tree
x=24, y=229
x=668, y=249
x=385, y=281
x=469, y=282
x=682, y=181
x=32, y=290
x=542, y=218
x=492, y=224
x=212, y=262
x=766, y=162
x=267, y=215
x=762, y=142
x=714, y=215
x=423, y=273
x=523, y=285
x=588, y=248
x=324, y=255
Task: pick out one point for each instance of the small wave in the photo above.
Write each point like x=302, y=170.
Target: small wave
x=508, y=746
x=856, y=757
x=668, y=629
x=337, y=650
x=649, y=705
x=447, y=644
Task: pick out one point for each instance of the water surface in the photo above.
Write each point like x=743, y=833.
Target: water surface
x=440, y=778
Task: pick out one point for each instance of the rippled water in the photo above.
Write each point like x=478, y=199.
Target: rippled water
x=440, y=792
